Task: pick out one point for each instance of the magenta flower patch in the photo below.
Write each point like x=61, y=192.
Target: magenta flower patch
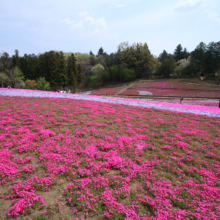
x=80, y=159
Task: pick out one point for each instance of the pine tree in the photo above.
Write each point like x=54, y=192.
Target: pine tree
x=163, y=56
x=101, y=51
x=91, y=58
x=61, y=68
x=71, y=71
x=79, y=75
x=15, y=59
x=53, y=71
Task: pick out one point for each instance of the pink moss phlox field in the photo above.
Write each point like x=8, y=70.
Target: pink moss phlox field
x=110, y=161
x=104, y=91
x=199, y=108
x=209, y=103
x=195, y=109
x=173, y=88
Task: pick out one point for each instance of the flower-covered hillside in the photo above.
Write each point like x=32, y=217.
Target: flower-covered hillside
x=174, y=87
x=80, y=159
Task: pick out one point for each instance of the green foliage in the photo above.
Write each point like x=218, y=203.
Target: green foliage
x=205, y=59
x=15, y=77
x=30, y=84
x=61, y=69
x=128, y=63
x=179, y=53
x=18, y=73
x=40, y=217
x=42, y=84
x=15, y=59
x=179, y=204
x=83, y=59
x=136, y=57
x=133, y=196
x=114, y=73
x=163, y=56
x=98, y=71
x=167, y=67
x=3, y=78
x=128, y=74
x=92, y=58
x=29, y=64
x=118, y=216
x=178, y=70
x=5, y=62
x=72, y=72
x=93, y=82
x=52, y=66
x=101, y=51
x=121, y=73
x=198, y=59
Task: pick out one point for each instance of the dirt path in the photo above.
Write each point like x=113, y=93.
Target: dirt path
x=126, y=87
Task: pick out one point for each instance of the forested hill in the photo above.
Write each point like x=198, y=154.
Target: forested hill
x=56, y=69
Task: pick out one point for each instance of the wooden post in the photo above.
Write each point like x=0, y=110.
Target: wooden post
x=181, y=99
x=219, y=104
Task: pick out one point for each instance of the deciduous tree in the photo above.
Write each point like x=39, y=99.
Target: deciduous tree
x=42, y=84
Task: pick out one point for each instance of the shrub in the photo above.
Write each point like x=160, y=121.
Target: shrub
x=30, y=84
x=42, y=84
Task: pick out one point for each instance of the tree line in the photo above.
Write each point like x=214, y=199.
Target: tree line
x=56, y=69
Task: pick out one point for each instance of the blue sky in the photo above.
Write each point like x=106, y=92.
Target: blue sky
x=81, y=26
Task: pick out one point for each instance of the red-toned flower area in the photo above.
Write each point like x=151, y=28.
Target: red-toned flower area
x=173, y=88
x=106, y=91
x=80, y=159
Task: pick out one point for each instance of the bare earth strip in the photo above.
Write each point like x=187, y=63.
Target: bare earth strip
x=125, y=88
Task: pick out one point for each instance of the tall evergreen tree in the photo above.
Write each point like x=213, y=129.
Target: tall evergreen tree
x=15, y=59
x=61, y=68
x=213, y=57
x=53, y=70
x=178, y=52
x=167, y=67
x=79, y=69
x=198, y=60
x=29, y=64
x=100, y=52
x=71, y=71
x=5, y=62
x=163, y=55
x=185, y=54
x=92, y=58
x=143, y=61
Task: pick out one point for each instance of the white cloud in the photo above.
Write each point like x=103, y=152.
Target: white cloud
x=67, y=20
x=85, y=22
x=78, y=25
x=89, y=19
x=189, y=4
x=83, y=14
x=100, y=22
x=209, y=8
x=121, y=5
